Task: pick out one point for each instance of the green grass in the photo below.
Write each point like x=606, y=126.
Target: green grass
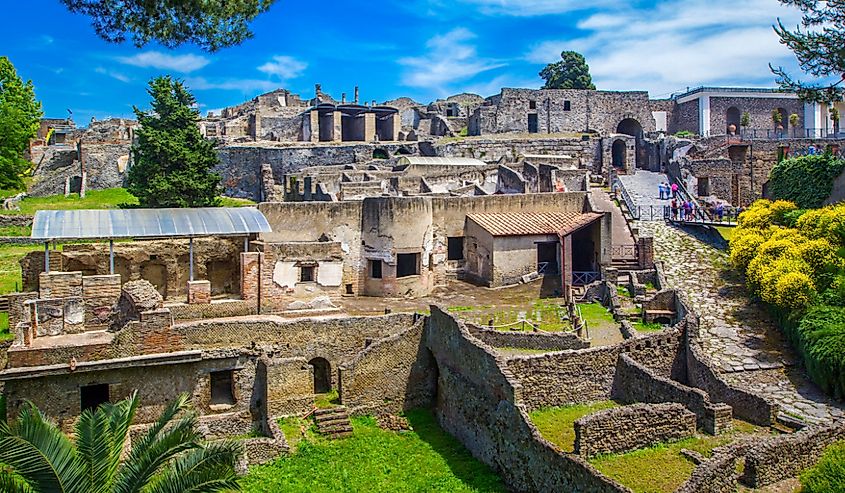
x=110, y=198
x=726, y=232
x=646, y=326
x=15, y=230
x=5, y=333
x=235, y=202
x=426, y=459
x=596, y=314
x=295, y=429
x=325, y=401
x=623, y=291
x=662, y=468
x=546, y=313
x=556, y=424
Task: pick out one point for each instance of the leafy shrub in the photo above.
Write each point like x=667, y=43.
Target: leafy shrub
x=805, y=180
x=744, y=248
x=829, y=474
x=795, y=291
x=820, y=336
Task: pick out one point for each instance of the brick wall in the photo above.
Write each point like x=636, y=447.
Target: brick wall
x=289, y=385
x=633, y=427
x=553, y=341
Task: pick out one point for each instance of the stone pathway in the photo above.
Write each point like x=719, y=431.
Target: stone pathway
x=621, y=232
x=743, y=342
x=642, y=188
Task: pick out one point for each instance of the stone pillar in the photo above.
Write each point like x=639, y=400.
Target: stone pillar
x=646, y=252
x=82, y=186
x=356, y=95
x=315, y=125
x=306, y=193
x=397, y=125
x=199, y=292
x=369, y=127
x=343, y=98
x=337, y=126
x=250, y=275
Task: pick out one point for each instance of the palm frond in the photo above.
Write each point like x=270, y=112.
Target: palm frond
x=94, y=444
x=11, y=482
x=40, y=453
x=208, y=469
x=154, y=450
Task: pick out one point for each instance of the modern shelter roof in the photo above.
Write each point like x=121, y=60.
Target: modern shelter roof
x=533, y=223
x=147, y=223
x=440, y=161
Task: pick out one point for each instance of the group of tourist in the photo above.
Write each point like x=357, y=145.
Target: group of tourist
x=685, y=209
x=667, y=191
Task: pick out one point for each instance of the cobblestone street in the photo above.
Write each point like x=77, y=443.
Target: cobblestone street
x=741, y=339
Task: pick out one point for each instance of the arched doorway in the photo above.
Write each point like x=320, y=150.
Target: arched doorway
x=732, y=117
x=618, y=154
x=322, y=375
x=380, y=153
x=632, y=127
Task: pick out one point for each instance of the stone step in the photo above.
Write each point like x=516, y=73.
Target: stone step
x=330, y=430
x=333, y=421
x=342, y=434
x=329, y=410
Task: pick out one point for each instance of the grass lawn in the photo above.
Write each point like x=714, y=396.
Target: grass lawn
x=546, y=313
x=726, y=232
x=601, y=326
x=556, y=424
x=662, y=468
x=374, y=460
x=646, y=326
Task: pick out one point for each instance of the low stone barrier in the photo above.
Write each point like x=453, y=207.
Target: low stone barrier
x=717, y=475
x=783, y=457
x=634, y=382
x=234, y=308
x=553, y=341
x=632, y=427
x=15, y=220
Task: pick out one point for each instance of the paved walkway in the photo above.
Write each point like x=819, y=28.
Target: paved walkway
x=742, y=341
x=642, y=187
x=621, y=233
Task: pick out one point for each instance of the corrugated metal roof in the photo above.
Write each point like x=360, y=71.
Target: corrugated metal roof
x=533, y=223
x=440, y=161
x=148, y=223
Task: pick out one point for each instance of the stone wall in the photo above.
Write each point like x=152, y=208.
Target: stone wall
x=289, y=384
x=718, y=474
x=589, y=373
x=627, y=428
x=585, y=152
x=552, y=341
x=393, y=374
x=634, y=382
x=786, y=456
x=477, y=399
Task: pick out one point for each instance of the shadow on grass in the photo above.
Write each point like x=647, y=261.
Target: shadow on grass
x=463, y=465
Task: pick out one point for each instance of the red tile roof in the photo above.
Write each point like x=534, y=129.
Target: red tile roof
x=533, y=223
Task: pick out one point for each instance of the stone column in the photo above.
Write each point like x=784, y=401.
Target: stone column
x=337, y=126
x=315, y=125
x=397, y=125
x=369, y=127
x=250, y=275
x=646, y=252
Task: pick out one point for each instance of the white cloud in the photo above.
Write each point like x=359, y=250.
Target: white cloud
x=449, y=58
x=528, y=8
x=677, y=44
x=284, y=67
x=243, y=85
x=113, y=74
x=156, y=59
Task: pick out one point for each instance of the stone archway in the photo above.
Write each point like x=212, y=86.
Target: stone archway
x=322, y=375
x=632, y=127
x=619, y=155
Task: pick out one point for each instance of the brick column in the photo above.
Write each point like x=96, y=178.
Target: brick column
x=369, y=127
x=314, y=116
x=337, y=126
x=646, y=252
x=250, y=278
x=199, y=292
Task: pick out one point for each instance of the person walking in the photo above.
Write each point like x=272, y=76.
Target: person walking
x=661, y=190
x=674, y=207
x=674, y=190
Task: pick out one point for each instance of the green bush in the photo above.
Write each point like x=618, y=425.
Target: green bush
x=829, y=474
x=805, y=180
x=820, y=337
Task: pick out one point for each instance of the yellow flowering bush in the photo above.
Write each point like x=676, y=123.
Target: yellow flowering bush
x=776, y=270
x=828, y=222
x=744, y=248
x=795, y=291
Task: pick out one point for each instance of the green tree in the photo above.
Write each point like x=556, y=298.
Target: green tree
x=817, y=43
x=210, y=24
x=19, y=119
x=572, y=72
x=173, y=164
x=37, y=457
x=745, y=120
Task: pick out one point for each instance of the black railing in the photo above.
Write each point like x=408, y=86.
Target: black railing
x=585, y=278
x=775, y=134
x=725, y=217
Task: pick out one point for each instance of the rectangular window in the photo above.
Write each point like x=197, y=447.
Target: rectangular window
x=375, y=269
x=306, y=273
x=407, y=264
x=567, y=106
x=533, y=126
x=455, y=248
x=91, y=396
x=532, y=105
x=222, y=387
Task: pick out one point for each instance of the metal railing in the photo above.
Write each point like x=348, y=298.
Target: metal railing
x=697, y=216
x=584, y=278
x=774, y=134
x=629, y=202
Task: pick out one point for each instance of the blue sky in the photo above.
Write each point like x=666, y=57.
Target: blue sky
x=424, y=49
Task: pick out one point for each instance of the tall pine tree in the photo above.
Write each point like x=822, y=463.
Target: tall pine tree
x=173, y=164
x=819, y=45
x=19, y=119
x=571, y=72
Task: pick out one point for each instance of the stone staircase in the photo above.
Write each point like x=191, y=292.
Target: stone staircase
x=333, y=422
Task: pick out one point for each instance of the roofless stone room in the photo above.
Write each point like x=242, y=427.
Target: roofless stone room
x=467, y=247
